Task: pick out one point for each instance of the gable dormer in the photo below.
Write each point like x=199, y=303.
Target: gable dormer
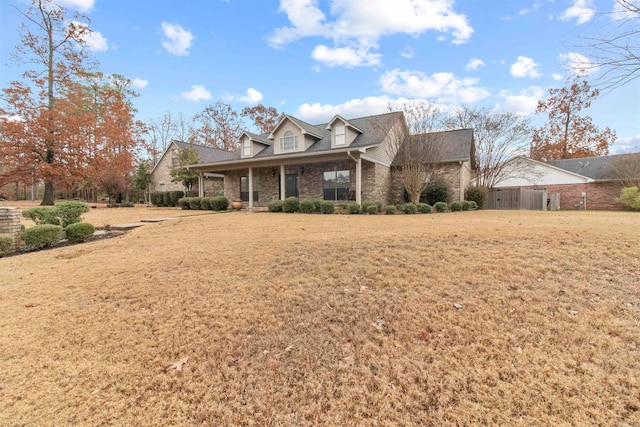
x=251, y=144
x=292, y=135
x=342, y=132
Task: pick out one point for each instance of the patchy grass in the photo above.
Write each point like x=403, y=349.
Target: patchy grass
x=330, y=320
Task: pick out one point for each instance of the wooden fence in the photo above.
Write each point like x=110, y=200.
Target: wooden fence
x=517, y=199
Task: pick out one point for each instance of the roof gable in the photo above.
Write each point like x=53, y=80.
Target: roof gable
x=305, y=128
x=345, y=121
x=598, y=168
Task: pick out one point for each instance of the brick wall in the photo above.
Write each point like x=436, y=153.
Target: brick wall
x=10, y=224
x=450, y=173
x=600, y=195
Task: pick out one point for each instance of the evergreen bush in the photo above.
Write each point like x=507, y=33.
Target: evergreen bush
x=79, y=231
x=40, y=236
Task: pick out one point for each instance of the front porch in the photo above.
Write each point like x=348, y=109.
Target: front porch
x=340, y=179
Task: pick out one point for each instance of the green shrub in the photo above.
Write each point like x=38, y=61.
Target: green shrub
x=365, y=206
x=153, y=198
x=174, y=196
x=79, y=231
x=629, y=198
x=316, y=205
x=456, y=206
x=195, y=203
x=219, y=203
x=291, y=205
x=424, y=208
x=6, y=245
x=275, y=206
x=390, y=209
x=70, y=212
x=43, y=235
x=476, y=194
x=184, y=203
x=472, y=205
x=354, y=208
x=437, y=190
x=205, y=203
x=409, y=208
x=466, y=205
x=160, y=199
x=371, y=209
x=440, y=207
x=326, y=207
x=42, y=215
x=167, y=201
x=307, y=206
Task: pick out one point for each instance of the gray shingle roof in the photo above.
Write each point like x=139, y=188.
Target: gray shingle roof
x=208, y=154
x=599, y=168
x=445, y=146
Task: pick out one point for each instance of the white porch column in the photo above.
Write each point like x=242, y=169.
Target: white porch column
x=359, y=181
x=250, y=178
x=201, y=185
x=283, y=183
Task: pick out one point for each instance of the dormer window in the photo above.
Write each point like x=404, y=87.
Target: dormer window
x=246, y=147
x=339, y=135
x=289, y=141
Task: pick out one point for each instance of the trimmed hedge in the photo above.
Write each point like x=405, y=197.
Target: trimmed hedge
x=440, y=207
x=219, y=203
x=423, y=208
x=456, y=206
x=466, y=205
x=205, y=203
x=195, y=203
x=291, y=205
x=184, y=203
x=307, y=206
x=390, y=209
x=354, y=208
x=326, y=207
x=409, y=208
x=63, y=214
x=6, y=245
x=79, y=232
x=43, y=235
x=174, y=196
x=275, y=206
x=371, y=209
x=42, y=215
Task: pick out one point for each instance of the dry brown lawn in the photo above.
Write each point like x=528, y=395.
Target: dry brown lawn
x=291, y=320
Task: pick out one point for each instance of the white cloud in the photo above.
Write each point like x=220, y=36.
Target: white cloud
x=93, y=39
x=621, y=12
x=474, y=64
x=630, y=144
x=252, y=96
x=83, y=6
x=359, y=24
x=557, y=76
x=407, y=52
x=525, y=67
x=577, y=64
x=197, y=93
x=139, y=83
x=527, y=11
x=443, y=87
x=581, y=10
x=344, y=56
x=523, y=103
x=177, y=40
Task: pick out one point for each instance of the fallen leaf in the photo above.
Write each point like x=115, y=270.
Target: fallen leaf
x=177, y=365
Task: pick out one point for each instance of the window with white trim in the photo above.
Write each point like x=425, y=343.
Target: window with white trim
x=339, y=135
x=246, y=147
x=289, y=141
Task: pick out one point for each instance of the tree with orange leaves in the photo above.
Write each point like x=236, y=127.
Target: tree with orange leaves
x=568, y=135
x=53, y=41
x=264, y=118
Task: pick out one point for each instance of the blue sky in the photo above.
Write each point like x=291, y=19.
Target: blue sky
x=314, y=59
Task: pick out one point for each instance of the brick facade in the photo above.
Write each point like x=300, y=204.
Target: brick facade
x=161, y=178
x=450, y=172
x=600, y=195
x=10, y=224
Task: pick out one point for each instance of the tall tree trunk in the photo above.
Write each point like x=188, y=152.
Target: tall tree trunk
x=48, y=199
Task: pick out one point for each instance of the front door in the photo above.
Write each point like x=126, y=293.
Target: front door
x=291, y=185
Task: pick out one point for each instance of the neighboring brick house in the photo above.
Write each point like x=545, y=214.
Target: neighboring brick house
x=161, y=172
x=339, y=160
x=589, y=183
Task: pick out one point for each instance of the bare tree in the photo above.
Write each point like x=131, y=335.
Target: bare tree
x=414, y=147
x=616, y=48
x=626, y=169
x=498, y=137
x=166, y=128
x=218, y=126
